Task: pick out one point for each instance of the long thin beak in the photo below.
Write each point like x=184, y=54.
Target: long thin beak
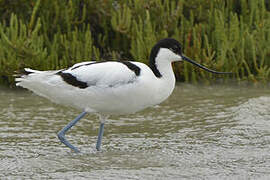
x=201, y=66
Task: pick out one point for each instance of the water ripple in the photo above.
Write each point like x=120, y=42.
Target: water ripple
x=217, y=132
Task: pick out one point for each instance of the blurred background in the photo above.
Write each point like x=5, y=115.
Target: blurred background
x=223, y=35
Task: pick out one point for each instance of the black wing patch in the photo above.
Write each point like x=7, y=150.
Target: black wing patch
x=72, y=80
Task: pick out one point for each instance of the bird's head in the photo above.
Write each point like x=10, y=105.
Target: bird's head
x=169, y=49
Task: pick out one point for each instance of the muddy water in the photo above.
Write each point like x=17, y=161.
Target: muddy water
x=217, y=132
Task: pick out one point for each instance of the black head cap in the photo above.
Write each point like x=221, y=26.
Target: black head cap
x=168, y=43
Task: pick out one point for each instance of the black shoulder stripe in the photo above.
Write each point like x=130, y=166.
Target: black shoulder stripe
x=132, y=67
x=87, y=64
x=83, y=65
x=72, y=80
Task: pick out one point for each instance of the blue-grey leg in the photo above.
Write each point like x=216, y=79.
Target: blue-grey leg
x=100, y=135
x=102, y=119
x=61, y=134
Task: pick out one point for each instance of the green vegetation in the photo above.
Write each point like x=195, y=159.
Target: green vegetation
x=225, y=35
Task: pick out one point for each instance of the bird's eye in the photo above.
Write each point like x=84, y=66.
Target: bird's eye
x=174, y=49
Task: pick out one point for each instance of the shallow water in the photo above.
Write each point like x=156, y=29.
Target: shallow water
x=216, y=132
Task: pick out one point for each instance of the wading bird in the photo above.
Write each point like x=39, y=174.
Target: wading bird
x=109, y=87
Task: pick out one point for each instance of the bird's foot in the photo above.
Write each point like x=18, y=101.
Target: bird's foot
x=63, y=139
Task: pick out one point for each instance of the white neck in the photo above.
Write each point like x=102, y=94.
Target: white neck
x=163, y=63
x=167, y=80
